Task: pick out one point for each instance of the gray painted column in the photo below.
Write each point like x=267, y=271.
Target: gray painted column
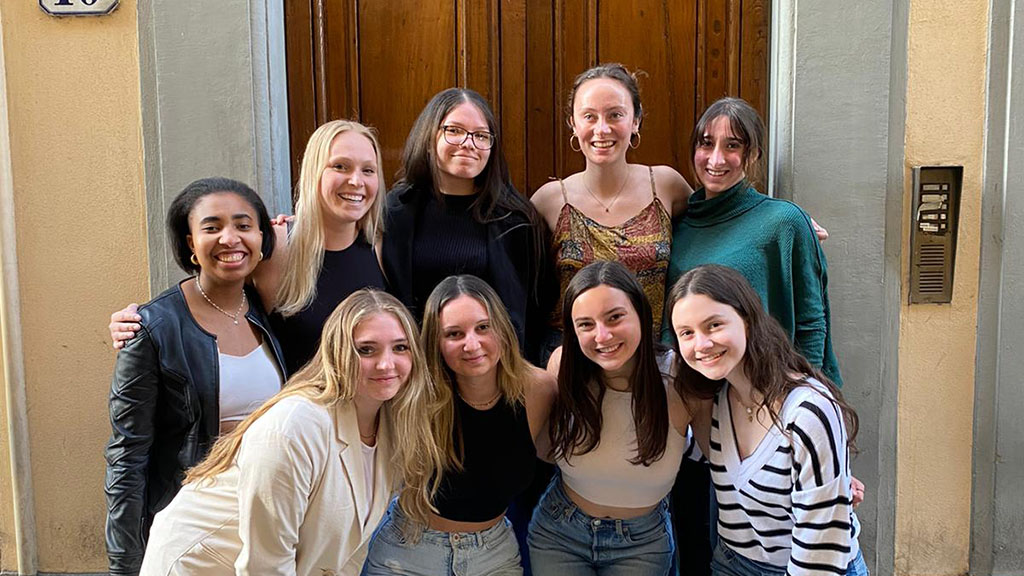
x=839, y=89
x=998, y=507
x=214, y=103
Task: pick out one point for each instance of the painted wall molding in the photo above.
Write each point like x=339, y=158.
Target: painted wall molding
x=837, y=164
x=214, y=103
x=13, y=359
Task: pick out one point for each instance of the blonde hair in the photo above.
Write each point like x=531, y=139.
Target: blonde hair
x=331, y=377
x=306, y=238
x=513, y=370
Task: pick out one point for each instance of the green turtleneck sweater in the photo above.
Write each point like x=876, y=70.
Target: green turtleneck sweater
x=772, y=243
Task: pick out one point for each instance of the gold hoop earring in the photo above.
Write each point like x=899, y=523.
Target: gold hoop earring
x=637, y=145
x=194, y=260
x=260, y=259
x=578, y=147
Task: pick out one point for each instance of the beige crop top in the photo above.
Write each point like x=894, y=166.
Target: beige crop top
x=605, y=476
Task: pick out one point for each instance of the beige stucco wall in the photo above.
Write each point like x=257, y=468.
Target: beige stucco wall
x=944, y=125
x=76, y=156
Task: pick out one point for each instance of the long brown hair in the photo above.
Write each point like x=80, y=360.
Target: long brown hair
x=771, y=362
x=513, y=370
x=576, y=415
x=497, y=196
x=331, y=377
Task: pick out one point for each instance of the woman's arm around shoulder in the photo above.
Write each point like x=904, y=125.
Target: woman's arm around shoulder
x=281, y=461
x=672, y=189
x=267, y=276
x=541, y=390
x=808, y=268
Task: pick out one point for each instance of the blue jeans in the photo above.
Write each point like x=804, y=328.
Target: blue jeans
x=565, y=541
x=493, y=551
x=726, y=562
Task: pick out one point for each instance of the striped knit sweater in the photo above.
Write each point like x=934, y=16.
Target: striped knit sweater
x=788, y=503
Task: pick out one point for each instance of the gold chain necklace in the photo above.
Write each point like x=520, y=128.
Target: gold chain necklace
x=482, y=405
x=608, y=207
x=234, y=318
x=751, y=410
x=373, y=435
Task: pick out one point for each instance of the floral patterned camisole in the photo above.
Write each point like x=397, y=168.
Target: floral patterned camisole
x=642, y=243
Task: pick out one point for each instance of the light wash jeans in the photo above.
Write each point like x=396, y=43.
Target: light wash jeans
x=489, y=552
x=565, y=541
x=727, y=562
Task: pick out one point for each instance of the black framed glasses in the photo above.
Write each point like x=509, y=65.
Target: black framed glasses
x=456, y=136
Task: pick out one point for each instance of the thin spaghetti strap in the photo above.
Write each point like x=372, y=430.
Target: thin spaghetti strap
x=650, y=170
x=565, y=197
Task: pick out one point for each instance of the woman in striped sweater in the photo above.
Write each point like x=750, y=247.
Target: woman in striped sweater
x=778, y=438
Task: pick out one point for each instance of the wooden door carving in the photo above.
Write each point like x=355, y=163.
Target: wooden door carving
x=380, y=61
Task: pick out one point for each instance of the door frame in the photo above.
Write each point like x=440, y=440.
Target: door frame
x=998, y=371
x=806, y=81
x=214, y=106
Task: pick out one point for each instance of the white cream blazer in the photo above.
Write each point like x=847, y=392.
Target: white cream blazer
x=294, y=501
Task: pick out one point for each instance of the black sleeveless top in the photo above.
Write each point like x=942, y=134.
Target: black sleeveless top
x=498, y=464
x=343, y=272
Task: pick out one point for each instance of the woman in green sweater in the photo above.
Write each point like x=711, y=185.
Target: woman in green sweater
x=770, y=241
x=773, y=243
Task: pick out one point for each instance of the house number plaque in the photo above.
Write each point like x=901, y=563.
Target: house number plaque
x=78, y=7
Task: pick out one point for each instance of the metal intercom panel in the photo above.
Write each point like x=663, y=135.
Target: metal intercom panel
x=936, y=214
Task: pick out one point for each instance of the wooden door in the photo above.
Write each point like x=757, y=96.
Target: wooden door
x=380, y=61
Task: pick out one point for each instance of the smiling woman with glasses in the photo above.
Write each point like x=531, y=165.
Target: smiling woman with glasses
x=454, y=211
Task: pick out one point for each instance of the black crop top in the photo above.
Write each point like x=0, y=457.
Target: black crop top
x=343, y=272
x=498, y=465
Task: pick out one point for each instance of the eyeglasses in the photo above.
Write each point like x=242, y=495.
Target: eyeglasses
x=457, y=136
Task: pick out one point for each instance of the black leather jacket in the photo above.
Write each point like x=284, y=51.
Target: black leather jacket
x=165, y=415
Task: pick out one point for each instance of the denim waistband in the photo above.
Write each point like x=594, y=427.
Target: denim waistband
x=456, y=539
x=558, y=498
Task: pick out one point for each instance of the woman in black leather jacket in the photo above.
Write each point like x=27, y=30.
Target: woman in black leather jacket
x=203, y=359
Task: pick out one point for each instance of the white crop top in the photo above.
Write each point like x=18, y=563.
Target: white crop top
x=605, y=476
x=246, y=382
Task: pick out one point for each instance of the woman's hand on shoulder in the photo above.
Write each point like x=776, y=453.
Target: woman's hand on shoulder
x=548, y=202
x=124, y=324
x=673, y=190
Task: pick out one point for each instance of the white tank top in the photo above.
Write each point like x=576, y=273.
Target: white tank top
x=246, y=382
x=605, y=476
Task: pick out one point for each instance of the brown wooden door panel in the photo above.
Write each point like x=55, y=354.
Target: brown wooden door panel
x=380, y=61
x=407, y=54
